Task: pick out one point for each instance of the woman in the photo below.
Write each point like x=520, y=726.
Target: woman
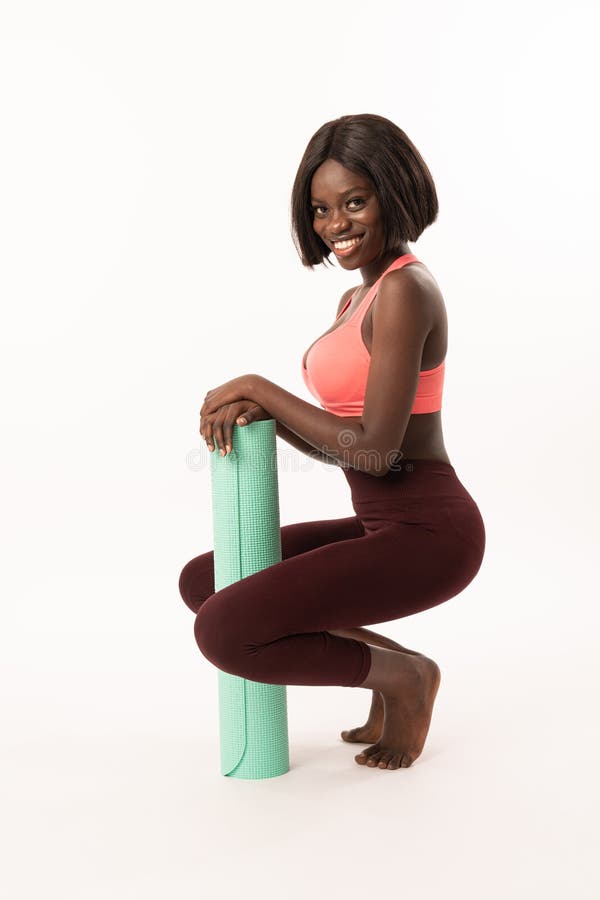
x=362, y=191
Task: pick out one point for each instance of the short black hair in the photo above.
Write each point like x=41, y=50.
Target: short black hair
x=375, y=147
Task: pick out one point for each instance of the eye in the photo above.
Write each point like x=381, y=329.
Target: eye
x=315, y=209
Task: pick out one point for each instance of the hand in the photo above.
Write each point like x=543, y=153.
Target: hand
x=237, y=389
x=218, y=426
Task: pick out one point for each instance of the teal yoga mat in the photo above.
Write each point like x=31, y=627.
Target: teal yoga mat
x=247, y=538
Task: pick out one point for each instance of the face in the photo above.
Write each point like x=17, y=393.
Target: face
x=344, y=205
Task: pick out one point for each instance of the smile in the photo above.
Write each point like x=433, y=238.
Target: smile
x=345, y=248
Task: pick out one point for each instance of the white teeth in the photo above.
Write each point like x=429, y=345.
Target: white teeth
x=343, y=245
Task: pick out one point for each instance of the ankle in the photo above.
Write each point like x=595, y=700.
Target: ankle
x=390, y=669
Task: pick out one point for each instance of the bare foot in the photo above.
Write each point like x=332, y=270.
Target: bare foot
x=371, y=730
x=407, y=715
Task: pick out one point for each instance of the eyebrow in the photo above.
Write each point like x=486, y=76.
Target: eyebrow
x=357, y=187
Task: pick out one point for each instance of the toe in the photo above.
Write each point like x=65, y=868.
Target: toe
x=373, y=749
x=365, y=757
x=350, y=734
x=384, y=759
x=395, y=761
x=374, y=758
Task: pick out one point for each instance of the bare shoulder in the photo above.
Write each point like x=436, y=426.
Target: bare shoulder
x=414, y=277
x=415, y=282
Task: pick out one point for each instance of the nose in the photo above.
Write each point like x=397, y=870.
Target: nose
x=340, y=223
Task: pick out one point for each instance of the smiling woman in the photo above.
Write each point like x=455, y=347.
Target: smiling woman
x=384, y=364
x=383, y=165
x=344, y=244
x=362, y=191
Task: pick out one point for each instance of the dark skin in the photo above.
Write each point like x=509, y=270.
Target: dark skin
x=358, y=212
x=405, y=331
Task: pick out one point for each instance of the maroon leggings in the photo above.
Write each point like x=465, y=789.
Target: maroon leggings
x=417, y=539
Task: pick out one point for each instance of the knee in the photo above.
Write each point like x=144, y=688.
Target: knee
x=195, y=584
x=185, y=588
x=220, y=639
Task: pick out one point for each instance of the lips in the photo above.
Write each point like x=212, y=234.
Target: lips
x=346, y=251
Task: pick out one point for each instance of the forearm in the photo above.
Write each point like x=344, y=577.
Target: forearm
x=297, y=442
x=335, y=436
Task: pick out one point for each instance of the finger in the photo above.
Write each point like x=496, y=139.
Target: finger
x=255, y=412
x=228, y=429
x=217, y=430
x=222, y=428
x=206, y=431
x=245, y=417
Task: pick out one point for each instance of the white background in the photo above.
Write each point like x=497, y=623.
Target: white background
x=148, y=152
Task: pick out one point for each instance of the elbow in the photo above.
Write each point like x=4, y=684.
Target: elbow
x=379, y=472
x=377, y=466
x=379, y=455
x=386, y=461
x=375, y=461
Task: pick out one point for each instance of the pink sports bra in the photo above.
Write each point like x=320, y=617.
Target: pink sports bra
x=337, y=364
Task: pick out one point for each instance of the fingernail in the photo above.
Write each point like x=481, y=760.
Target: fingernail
x=222, y=452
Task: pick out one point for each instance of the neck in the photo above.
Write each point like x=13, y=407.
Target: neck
x=375, y=269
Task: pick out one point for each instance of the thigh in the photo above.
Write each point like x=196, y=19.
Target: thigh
x=197, y=578
x=377, y=577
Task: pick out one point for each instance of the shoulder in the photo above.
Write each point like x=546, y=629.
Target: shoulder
x=406, y=293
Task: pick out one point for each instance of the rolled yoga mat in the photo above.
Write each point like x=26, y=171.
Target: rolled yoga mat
x=247, y=538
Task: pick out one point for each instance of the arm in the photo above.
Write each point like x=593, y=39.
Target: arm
x=301, y=445
x=326, y=433
x=402, y=320
x=401, y=323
